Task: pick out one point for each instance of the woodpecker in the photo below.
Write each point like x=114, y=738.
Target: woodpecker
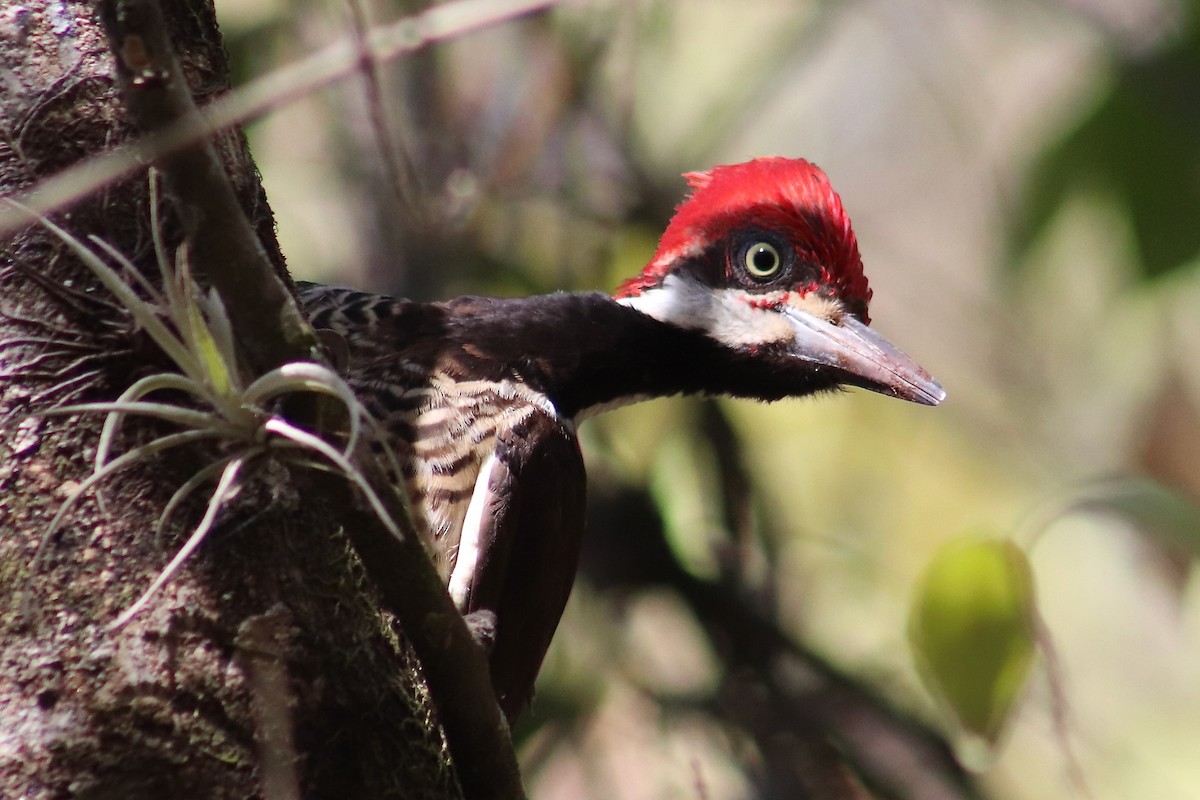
x=756, y=290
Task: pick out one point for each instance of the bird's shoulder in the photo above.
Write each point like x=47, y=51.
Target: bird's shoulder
x=357, y=314
x=431, y=368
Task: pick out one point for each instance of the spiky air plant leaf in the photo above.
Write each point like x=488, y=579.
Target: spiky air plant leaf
x=227, y=486
x=231, y=410
x=213, y=358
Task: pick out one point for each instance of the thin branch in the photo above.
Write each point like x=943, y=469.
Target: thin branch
x=886, y=748
x=451, y=661
x=775, y=688
x=263, y=641
x=271, y=330
x=277, y=88
x=397, y=161
x=1060, y=710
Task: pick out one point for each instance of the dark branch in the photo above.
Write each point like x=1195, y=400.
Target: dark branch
x=224, y=248
x=451, y=662
x=780, y=692
x=271, y=331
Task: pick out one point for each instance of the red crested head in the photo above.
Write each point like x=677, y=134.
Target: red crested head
x=789, y=198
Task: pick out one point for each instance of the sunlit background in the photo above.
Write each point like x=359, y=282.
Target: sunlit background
x=1024, y=180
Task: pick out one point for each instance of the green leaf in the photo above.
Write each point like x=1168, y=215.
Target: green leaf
x=1139, y=143
x=200, y=339
x=1156, y=509
x=972, y=630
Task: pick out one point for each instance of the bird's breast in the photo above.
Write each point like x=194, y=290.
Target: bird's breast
x=442, y=432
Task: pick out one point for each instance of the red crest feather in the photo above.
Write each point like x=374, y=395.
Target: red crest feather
x=789, y=195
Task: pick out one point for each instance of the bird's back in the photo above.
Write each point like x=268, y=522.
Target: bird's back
x=405, y=362
x=494, y=472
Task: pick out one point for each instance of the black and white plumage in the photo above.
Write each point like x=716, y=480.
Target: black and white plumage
x=756, y=291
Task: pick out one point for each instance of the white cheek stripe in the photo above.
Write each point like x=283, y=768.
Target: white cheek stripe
x=729, y=316
x=678, y=301
x=470, y=548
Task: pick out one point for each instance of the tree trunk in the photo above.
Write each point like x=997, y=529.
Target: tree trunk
x=264, y=668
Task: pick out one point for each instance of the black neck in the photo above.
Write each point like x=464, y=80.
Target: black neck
x=587, y=350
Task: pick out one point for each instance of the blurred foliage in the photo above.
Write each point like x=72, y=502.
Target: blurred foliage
x=1138, y=143
x=738, y=629
x=1156, y=509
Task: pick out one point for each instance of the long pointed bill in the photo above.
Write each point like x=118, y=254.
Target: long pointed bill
x=871, y=361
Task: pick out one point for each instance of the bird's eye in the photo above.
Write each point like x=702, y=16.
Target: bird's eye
x=762, y=260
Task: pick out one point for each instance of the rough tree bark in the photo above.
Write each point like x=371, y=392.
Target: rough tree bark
x=265, y=667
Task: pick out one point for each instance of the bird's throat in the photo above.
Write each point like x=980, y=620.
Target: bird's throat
x=588, y=353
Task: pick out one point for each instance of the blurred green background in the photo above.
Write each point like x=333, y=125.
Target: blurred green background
x=1024, y=180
